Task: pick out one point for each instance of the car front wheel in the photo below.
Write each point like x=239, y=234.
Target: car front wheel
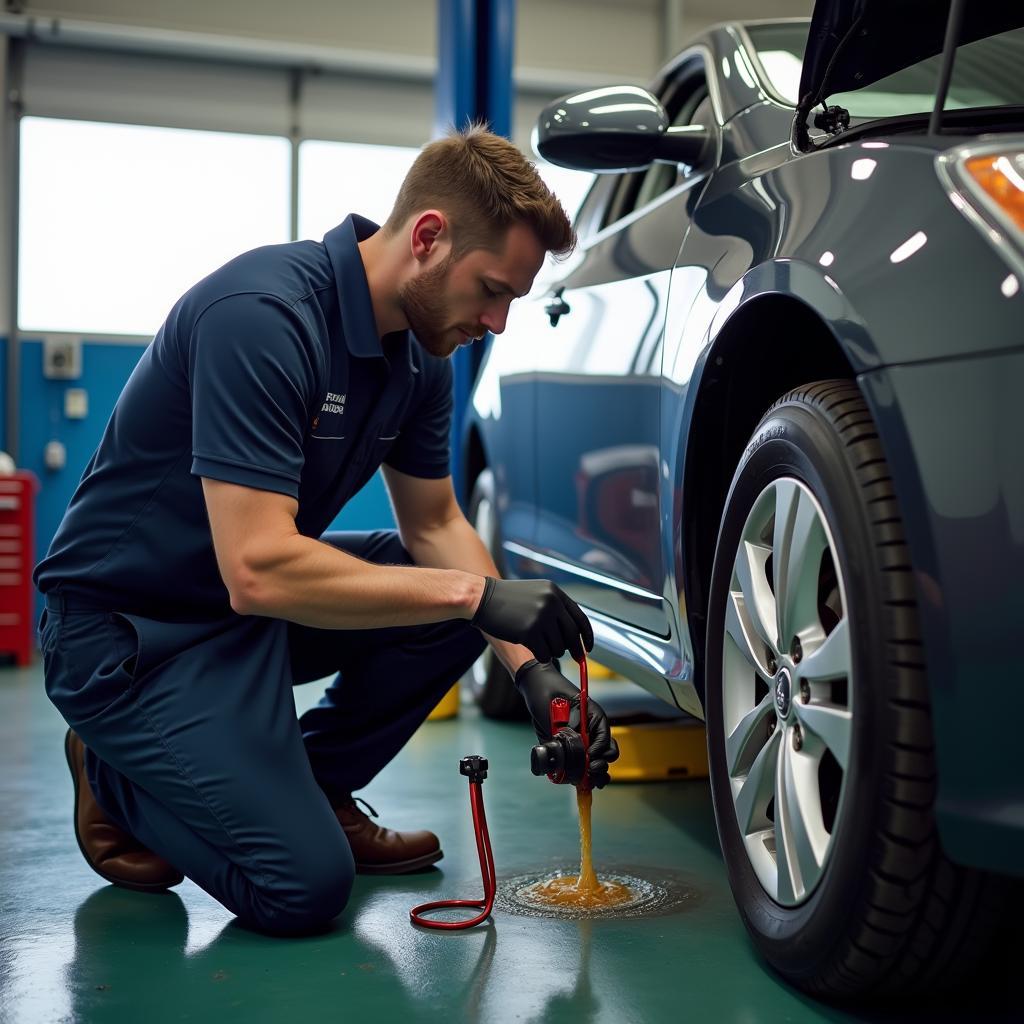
x=819, y=731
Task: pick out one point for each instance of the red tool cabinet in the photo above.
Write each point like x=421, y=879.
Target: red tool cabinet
x=17, y=557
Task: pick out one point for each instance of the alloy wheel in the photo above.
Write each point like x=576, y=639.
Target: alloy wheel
x=787, y=690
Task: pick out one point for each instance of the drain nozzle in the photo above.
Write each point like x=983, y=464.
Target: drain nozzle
x=563, y=758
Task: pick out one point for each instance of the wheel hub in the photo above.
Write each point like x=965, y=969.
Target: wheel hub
x=783, y=693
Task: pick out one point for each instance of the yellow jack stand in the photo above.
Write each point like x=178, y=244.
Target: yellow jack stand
x=596, y=671
x=656, y=751
x=447, y=706
x=655, y=743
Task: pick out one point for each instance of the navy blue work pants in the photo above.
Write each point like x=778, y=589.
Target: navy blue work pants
x=195, y=749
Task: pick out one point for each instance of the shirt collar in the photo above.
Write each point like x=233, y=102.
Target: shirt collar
x=357, y=320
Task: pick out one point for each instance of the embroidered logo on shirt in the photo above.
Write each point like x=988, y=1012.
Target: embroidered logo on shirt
x=333, y=405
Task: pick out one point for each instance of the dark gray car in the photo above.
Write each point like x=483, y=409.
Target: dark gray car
x=765, y=427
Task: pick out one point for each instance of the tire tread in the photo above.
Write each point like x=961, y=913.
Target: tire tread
x=936, y=915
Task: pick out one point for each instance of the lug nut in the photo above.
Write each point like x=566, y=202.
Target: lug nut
x=805, y=692
x=773, y=665
x=796, y=650
x=798, y=738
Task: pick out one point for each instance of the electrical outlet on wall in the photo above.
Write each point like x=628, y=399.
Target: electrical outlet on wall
x=62, y=358
x=55, y=455
x=76, y=403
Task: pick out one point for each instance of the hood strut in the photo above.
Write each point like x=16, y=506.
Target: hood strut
x=829, y=118
x=854, y=43
x=956, y=18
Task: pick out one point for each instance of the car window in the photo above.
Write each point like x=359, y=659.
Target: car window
x=588, y=220
x=687, y=103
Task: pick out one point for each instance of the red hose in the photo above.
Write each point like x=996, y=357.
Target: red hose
x=584, y=784
x=483, y=846
x=483, y=840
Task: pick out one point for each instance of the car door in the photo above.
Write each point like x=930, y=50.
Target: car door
x=598, y=377
x=505, y=402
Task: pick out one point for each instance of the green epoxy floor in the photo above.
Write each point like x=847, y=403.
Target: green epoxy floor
x=75, y=949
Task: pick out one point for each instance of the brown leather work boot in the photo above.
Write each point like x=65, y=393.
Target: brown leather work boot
x=382, y=851
x=111, y=852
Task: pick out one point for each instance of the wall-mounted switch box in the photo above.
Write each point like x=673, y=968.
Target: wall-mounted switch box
x=62, y=358
x=55, y=455
x=76, y=403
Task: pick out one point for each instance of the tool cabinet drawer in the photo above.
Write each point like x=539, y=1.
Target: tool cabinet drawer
x=17, y=557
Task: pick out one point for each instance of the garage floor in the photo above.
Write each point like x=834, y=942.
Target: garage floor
x=75, y=949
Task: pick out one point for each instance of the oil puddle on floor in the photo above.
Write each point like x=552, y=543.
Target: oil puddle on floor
x=653, y=893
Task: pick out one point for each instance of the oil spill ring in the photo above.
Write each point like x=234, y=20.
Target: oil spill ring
x=656, y=893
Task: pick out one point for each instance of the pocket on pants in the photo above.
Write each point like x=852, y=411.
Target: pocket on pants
x=127, y=643
x=46, y=631
x=89, y=665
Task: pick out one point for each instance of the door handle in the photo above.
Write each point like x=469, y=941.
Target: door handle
x=557, y=308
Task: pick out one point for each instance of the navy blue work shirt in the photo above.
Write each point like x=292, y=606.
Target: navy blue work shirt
x=268, y=373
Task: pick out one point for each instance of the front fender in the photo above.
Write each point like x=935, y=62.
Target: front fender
x=809, y=285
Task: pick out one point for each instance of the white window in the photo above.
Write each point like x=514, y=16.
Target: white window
x=117, y=221
x=339, y=178
x=570, y=187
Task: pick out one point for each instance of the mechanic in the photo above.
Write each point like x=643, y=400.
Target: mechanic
x=191, y=583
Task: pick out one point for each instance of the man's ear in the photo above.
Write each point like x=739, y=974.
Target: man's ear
x=429, y=232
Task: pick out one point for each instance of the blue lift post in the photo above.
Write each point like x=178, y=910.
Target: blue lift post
x=476, y=42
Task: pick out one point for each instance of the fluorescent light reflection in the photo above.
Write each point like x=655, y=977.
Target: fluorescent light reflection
x=1006, y=168
x=1010, y=286
x=827, y=258
x=605, y=92
x=620, y=108
x=743, y=69
x=863, y=169
x=909, y=247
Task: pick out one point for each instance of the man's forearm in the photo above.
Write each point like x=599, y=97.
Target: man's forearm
x=456, y=545
x=312, y=583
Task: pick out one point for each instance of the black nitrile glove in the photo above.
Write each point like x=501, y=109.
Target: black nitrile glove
x=534, y=613
x=538, y=684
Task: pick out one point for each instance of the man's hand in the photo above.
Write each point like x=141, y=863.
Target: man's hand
x=538, y=684
x=534, y=613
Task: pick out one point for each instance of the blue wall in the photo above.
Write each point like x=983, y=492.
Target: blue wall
x=105, y=368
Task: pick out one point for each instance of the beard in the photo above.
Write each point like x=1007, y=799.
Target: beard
x=421, y=301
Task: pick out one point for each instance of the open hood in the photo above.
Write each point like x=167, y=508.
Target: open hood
x=853, y=43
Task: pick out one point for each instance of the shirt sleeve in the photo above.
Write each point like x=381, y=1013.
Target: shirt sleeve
x=423, y=447
x=252, y=376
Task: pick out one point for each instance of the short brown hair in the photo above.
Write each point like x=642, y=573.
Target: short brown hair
x=484, y=185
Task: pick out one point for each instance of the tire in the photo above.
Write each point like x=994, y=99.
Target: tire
x=842, y=747
x=488, y=680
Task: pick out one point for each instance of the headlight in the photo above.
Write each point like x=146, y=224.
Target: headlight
x=986, y=183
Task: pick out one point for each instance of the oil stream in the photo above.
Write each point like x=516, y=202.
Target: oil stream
x=630, y=892
x=584, y=891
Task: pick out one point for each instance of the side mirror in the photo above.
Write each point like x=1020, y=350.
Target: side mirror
x=615, y=129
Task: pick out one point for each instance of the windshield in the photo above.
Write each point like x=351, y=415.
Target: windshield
x=986, y=73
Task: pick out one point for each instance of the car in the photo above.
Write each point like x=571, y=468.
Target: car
x=764, y=426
